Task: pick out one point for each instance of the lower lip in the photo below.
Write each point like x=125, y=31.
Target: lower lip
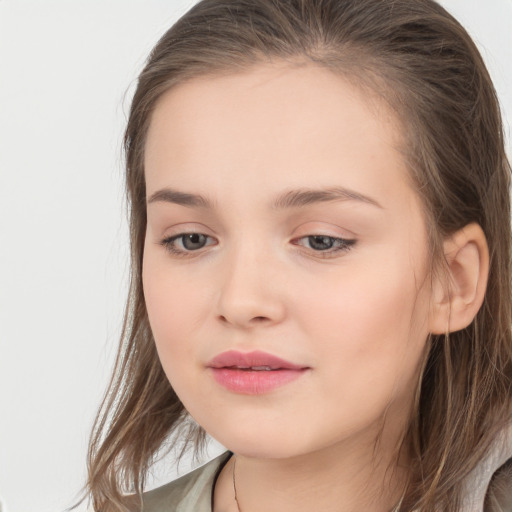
x=251, y=382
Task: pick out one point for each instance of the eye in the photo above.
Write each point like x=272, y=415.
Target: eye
x=325, y=245
x=185, y=243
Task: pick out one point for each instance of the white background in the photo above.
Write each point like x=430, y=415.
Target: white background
x=67, y=69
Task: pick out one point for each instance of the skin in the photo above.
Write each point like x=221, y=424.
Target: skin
x=358, y=318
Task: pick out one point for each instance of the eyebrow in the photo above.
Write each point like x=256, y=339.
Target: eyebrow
x=170, y=195
x=305, y=197
x=289, y=199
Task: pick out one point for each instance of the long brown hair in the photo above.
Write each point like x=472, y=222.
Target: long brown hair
x=420, y=60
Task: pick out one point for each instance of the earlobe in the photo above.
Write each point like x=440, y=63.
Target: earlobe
x=458, y=297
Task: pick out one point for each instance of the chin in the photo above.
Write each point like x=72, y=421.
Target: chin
x=259, y=443
x=257, y=450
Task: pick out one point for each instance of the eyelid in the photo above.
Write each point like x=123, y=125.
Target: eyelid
x=325, y=228
x=344, y=245
x=168, y=244
x=339, y=245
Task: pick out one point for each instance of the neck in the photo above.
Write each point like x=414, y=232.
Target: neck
x=346, y=477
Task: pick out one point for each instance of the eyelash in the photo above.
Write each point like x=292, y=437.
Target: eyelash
x=339, y=245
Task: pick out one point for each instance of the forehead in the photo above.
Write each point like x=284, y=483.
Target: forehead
x=273, y=126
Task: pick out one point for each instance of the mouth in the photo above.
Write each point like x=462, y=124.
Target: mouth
x=253, y=373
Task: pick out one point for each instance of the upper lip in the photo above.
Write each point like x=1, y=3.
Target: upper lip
x=255, y=359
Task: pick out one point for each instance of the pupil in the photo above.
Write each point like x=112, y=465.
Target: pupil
x=193, y=241
x=320, y=242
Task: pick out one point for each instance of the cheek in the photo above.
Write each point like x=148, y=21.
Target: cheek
x=173, y=307
x=369, y=326
x=175, y=313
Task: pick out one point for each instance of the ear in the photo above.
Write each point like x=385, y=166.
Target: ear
x=459, y=294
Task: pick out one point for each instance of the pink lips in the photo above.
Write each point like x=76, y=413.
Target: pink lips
x=253, y=373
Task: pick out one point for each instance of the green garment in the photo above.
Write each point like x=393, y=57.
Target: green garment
x=190, y=493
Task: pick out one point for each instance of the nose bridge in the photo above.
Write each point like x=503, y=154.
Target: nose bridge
x=249, y=290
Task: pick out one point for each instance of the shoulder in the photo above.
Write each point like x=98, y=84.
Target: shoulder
x=489, y=485
x=190, y=493
x=499, y=493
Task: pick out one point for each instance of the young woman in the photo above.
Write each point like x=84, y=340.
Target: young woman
x=320, y=227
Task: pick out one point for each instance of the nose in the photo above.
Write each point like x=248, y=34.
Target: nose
x=251, y=290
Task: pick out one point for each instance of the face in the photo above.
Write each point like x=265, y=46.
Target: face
x=285, y=261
